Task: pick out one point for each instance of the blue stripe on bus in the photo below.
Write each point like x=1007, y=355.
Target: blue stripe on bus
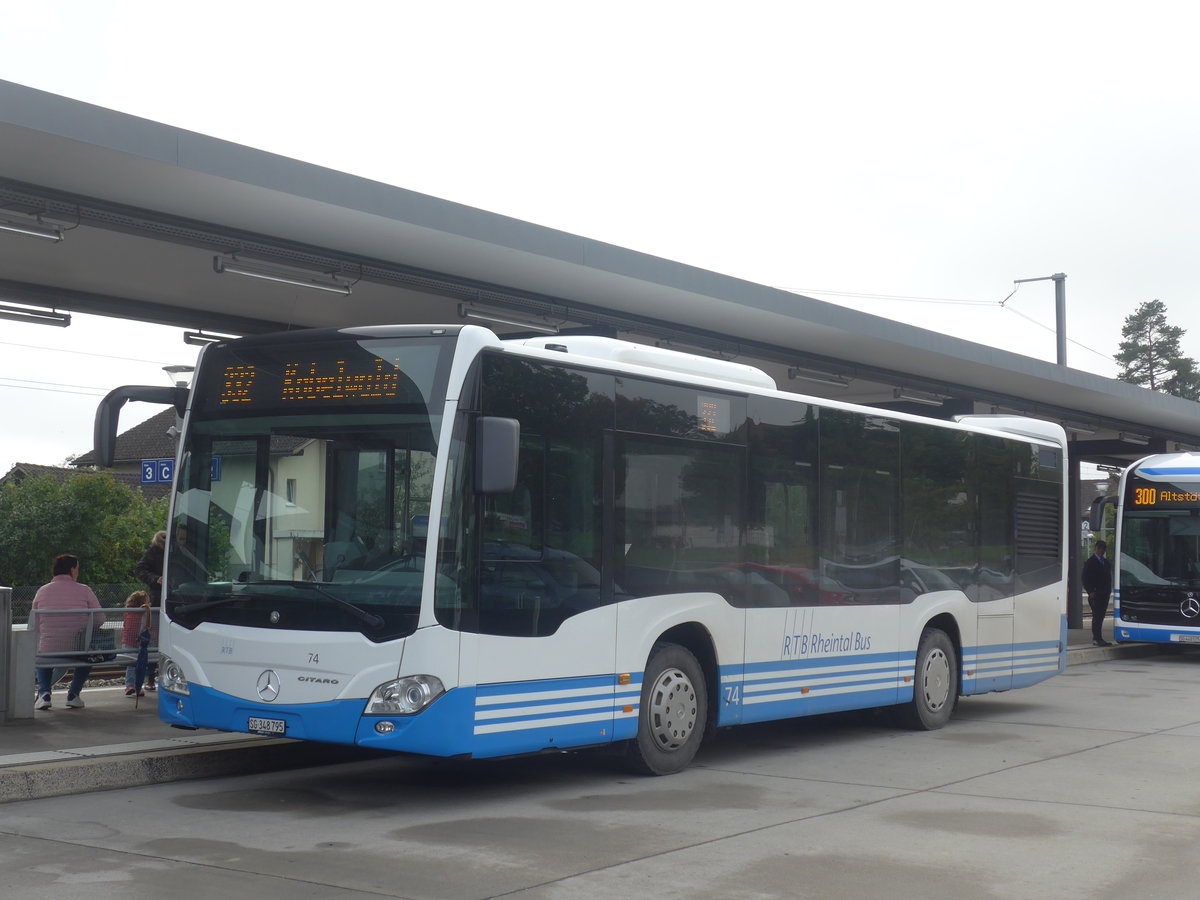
x=767, y=695
x=519, y=717
x=780, y=689
x=1170, y=470
x=999, y=666
x=818, y=702
x=825, y=661
x=1161, y=634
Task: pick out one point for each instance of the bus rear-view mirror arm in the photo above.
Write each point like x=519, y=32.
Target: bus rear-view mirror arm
x=105, y=433
x=1096, y=515
x=497, y=447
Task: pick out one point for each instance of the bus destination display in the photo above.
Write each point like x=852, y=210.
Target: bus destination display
x=1154, y=495
x=341, y=379
x=278, y=378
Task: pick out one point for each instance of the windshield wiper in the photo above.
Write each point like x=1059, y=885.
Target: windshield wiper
x=205, y=604
x=369, y=619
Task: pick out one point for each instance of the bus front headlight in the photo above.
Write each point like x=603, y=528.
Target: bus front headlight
x=171, y=677
x=404, y=696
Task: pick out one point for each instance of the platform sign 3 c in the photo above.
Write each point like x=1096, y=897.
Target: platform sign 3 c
x=161, y=471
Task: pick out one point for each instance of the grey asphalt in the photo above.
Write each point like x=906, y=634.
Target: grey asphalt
x=113, y=744
x=1081, y=787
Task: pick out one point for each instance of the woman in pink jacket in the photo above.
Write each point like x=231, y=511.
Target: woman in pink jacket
x=61, y=631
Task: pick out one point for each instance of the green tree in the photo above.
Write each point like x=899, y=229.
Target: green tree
x=105, y=523
x=1150, y=354
x=1184, y=380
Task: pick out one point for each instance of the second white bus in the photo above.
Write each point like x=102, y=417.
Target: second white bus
x=1156, y=572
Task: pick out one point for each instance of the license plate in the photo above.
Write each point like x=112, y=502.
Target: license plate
x=1187, y=638
x=256, y=725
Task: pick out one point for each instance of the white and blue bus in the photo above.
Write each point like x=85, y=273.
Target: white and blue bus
x=1156, y=583
x=432, y=540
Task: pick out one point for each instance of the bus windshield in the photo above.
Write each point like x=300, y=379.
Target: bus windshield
x=1160, y=535
x=304, y=486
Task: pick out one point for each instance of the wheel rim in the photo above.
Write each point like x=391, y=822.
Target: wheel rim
x=672, y=713
x=935, y=680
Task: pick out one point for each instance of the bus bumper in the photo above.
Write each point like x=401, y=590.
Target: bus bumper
x=435, y=731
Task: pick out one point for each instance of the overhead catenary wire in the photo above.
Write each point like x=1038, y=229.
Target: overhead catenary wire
x=74, y=352
x=52, y=384
x=28, y=384
x=1002, y=304
x=51, y=387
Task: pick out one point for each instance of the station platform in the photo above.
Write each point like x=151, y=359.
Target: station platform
x=112, y=743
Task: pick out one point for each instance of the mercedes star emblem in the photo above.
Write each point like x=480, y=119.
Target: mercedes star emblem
x=268, y=685
x=1190, y=607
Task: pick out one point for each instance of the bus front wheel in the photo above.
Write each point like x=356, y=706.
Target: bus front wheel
x=673, y=712
x=935, y=683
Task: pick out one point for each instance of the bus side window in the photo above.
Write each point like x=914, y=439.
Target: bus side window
x=781, y=528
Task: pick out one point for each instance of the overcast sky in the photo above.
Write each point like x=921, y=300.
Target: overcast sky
x=910, y=160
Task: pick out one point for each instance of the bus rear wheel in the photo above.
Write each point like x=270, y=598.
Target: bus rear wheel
x=935, y=683
x=673, y=712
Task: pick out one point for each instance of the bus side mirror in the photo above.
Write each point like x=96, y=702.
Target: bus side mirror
x=104, y=435
x=497, y=447
x=1096, y=515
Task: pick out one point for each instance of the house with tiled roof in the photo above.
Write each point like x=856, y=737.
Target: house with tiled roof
x=151, y=439
x=20, y=471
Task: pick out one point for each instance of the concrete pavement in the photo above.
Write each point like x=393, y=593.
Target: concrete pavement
x=112, y=744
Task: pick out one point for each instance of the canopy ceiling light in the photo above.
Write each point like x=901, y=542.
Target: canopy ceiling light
x=818, y=377
x=918, y=397
x=1133, y=439
x=504, y=317
x=32, y=228
x=322, y=281
x=35, y=316
x=1077, y=429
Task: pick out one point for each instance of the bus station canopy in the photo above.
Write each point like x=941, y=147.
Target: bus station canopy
x=132, y=218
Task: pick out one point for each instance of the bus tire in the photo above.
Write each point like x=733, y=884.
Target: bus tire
x=673, y=712
x=935, y=683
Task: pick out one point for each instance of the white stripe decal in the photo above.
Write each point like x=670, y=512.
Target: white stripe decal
x=832, y=669
x=604, y=690
x=543, y=723
x=510, y=712
x=817, y=692
x=813, y=682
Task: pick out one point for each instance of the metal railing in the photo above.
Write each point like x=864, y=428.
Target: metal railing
x=94, y=638
x=111, y=596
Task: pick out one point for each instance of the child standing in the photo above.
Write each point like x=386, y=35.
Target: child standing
x=137, y=620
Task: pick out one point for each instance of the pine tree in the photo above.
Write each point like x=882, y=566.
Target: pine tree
x=1184, y=380
x=1150, y=354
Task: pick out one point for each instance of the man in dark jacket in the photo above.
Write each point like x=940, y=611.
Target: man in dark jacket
x=1097, y=581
